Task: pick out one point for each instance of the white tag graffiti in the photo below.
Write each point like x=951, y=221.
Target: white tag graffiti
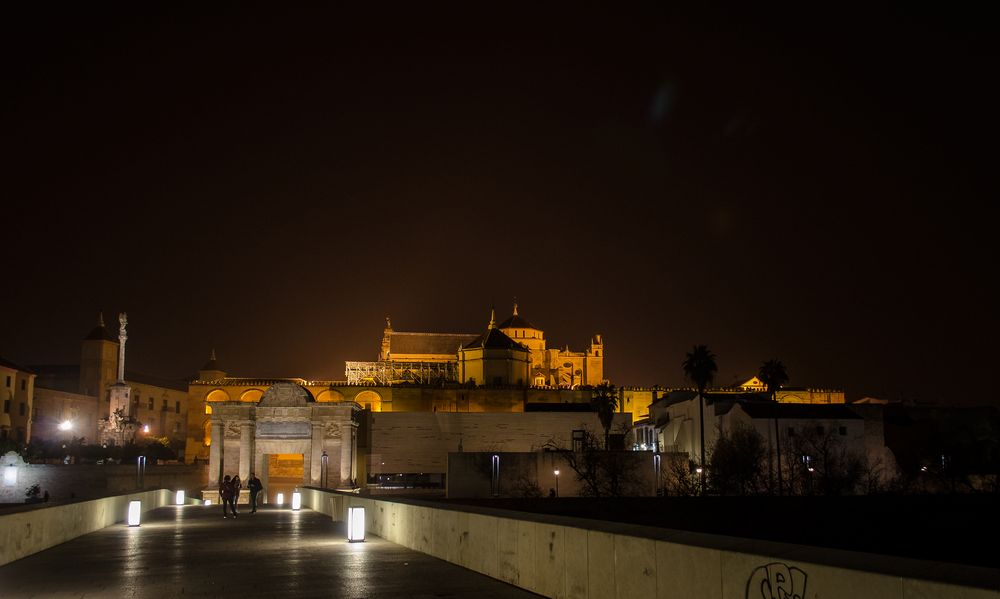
x=776, y=581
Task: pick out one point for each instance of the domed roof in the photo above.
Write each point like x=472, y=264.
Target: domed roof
x=212, y=363
x=495, y=339
x=516, y=322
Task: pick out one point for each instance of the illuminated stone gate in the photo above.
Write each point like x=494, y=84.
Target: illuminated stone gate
x=286, y=420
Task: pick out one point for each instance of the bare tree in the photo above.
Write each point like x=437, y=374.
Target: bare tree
x=736, y=465
x=602, y=473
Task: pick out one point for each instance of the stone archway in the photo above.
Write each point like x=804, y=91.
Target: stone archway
x=289, y=424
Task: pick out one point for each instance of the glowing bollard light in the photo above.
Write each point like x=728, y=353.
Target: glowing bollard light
x=208, y=502
x=355, y=524
x=280, y=500
x=10, y=476
x=179, y=500
x=134, y=509
x=296, y=501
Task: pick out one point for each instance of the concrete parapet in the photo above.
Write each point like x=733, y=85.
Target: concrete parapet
x=30, y=530
x=557, y=556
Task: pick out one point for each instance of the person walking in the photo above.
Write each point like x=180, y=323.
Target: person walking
x=255, y=487
x=226, y=495
x=237, y=485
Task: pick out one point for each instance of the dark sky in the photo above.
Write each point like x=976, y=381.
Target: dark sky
x=272, y=182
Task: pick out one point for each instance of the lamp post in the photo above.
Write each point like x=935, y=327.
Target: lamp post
x=325, y=462
x=556, y=472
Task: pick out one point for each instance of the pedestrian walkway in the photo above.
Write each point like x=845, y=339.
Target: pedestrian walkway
x=191, y=551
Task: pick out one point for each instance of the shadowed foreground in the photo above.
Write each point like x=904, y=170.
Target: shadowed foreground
x=193, y=552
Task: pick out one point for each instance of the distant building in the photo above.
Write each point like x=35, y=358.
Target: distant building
x=78, y=396
x=674, y=426
x=17, y=392
x=791, y=394
x=429, y=358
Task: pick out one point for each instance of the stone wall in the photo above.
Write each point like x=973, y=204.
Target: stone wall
x=414, y=442
x=71, y=482
x=471, y=474
x=32, y=529
x=580, y=558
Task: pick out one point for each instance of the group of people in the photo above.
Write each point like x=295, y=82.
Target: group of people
x=229, y=493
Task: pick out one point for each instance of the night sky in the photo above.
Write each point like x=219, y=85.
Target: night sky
x=272, y=182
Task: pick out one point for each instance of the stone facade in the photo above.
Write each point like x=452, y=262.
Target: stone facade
x=17, y=386
x=429, y=357
x=285, y=420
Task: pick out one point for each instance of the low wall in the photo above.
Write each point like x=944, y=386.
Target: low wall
x=557, y=556
x=29, y=530
x=89, y=481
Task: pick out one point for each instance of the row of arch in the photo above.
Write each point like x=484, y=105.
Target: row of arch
x=368, y=399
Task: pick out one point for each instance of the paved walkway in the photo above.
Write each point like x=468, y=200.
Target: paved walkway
x=192, y=551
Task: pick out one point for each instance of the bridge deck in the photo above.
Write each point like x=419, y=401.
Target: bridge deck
x=192, y=551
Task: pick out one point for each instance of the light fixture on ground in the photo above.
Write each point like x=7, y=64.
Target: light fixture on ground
x=355, y=524
x=280, y=500
x=134, y=510
x=556, y=472
x=208, y=502
x=296, y=501
x=179, y=499
x=10, y=475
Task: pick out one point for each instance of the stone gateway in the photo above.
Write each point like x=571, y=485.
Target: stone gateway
x=285, y=424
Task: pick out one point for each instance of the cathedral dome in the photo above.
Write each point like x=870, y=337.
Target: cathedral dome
x=517, y=322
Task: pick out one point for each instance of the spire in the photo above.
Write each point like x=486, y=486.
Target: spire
x=493, y=319
x=100, y=319
x=515, y=306
x=388, y=324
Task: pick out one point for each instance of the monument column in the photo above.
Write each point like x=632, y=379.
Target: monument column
x=316, y=450
x=215, y=454
x=246, y=449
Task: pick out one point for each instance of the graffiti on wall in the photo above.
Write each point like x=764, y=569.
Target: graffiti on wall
x=776, y=581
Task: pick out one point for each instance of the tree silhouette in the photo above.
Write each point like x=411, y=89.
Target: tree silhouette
x=773, y=374
x=699, y=368
x=604, y=400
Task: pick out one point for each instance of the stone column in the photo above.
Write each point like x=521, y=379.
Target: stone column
x=246, y=449
x=348, y=440
x=316, y=452
x=215, y=454
x=259, y=463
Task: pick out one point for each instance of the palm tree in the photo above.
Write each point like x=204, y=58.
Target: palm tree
x=604, y=400
x=773, y=374
x=699, y=368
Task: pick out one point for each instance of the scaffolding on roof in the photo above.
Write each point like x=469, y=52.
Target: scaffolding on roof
x=394, y=373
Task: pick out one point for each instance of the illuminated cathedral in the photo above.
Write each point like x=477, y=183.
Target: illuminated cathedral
x=512, y=353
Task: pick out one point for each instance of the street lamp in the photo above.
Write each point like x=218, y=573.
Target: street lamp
x=65, y=425
x=325, y=459
x=556, y=472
